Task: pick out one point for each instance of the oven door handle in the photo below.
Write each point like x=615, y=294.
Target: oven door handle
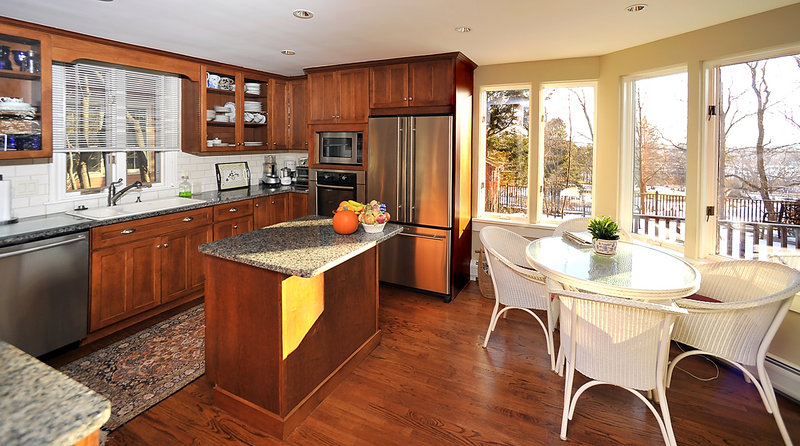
x=335, y=187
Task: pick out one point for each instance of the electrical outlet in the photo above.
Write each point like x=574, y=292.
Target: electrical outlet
x=25, y=188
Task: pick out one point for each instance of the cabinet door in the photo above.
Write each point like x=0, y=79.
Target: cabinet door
x=226, y=131
x=182, y=263
x=298, y=205
x=297, y=112
x=431, y=83
x=260, y=212
x=388, y=86
x=323, y=96
x=233, y=227
x=125, y=280
x=277, y=114
x=353, y=96
x=270, y=210
x=256, y=103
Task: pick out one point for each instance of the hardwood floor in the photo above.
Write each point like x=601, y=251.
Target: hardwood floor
x=431, y=383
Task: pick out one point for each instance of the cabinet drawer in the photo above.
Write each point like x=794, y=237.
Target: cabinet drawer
x=233, y=210
x=126, y=232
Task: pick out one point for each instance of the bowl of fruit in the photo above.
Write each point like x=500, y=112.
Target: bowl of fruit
x=373, y=216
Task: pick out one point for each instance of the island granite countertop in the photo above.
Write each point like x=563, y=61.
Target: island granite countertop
x=303, y=247
x=40, y=405
x=30, y=229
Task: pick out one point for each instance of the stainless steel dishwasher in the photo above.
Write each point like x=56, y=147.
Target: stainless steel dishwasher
x=44, y=293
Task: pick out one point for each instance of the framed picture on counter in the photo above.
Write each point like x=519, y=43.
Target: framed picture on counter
x=232, y=175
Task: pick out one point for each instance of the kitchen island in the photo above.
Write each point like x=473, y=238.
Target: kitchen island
x=291, y=309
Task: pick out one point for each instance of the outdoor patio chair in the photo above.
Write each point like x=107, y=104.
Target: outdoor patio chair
x=615, y=341
x=517, y=286
x=740, y=307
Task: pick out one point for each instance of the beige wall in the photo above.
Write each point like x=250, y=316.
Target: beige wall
x=766, y=31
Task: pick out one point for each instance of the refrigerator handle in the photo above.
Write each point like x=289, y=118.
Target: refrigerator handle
x=400, y=169
x=412, y=168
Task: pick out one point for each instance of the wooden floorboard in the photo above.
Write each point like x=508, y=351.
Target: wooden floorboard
x=431, y=383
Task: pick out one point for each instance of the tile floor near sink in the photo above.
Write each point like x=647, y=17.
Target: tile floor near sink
x=107, y=212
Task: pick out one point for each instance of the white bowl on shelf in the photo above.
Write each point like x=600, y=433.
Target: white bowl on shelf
x=373, y=228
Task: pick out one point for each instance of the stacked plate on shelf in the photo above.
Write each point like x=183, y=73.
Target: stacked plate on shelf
x=253, y=106
x=252, y=88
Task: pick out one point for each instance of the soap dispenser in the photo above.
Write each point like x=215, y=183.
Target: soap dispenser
x=185, y=187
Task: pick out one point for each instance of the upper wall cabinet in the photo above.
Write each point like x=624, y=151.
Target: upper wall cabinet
x=297, y=113
x=339, y=97
x=414, y=84
x=226, y=112
x=26, y=121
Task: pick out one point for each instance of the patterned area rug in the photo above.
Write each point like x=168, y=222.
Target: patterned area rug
x=143, y=369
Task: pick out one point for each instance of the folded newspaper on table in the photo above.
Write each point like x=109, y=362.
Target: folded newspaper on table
x=581, y=238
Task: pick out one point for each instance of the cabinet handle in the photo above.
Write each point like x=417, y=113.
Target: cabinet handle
x=128, y=231
x=405, y=99
x=158, y=246
x=274, y=143
x=333, y=116
x=233, y=210
x=235, y=226
x=258, y=204
x=166, y=245
x=273, y=202
x=188, y=218
x=410, y=98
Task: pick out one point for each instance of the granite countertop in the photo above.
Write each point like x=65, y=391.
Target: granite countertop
x=40, y=405
x=304, y=247
x=37, y=228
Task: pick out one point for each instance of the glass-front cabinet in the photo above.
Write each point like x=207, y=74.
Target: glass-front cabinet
x=25, y=104
x=233, y=109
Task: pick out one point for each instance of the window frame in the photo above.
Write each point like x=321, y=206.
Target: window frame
x=626, y=142
x=483, y=121
x=540, y=217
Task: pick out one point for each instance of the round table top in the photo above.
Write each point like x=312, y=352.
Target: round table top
x=636, y=271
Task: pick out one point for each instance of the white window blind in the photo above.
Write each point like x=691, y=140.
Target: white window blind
x=102, y=108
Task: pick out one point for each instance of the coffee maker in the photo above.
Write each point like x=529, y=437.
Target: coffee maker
x=270, y=177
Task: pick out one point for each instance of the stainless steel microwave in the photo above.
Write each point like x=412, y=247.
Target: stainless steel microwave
x=340, y=148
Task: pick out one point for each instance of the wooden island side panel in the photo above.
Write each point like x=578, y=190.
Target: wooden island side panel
x=276, y=345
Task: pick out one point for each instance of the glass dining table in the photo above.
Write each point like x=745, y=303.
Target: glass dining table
x=635, y=271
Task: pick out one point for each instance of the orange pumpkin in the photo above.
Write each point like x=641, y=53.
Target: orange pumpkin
x=345, y=222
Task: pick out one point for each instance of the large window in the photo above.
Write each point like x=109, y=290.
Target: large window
x=567, y=155
x=506, y=127
x=111, y=123
x=758, y=188
x=657, y=115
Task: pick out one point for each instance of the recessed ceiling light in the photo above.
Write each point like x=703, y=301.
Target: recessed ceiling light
x=636, y=8
x=463, y=29
x=302, y=13
x=288, y=52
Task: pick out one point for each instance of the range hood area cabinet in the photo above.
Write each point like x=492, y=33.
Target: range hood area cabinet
x=338, y=96
x=414, y=84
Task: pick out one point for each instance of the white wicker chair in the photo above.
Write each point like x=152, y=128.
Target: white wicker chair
x=615, y=341
x=516, y=285
x=580, y=224
x=754, y=298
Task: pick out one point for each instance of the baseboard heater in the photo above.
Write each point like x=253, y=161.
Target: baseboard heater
x=785, y=376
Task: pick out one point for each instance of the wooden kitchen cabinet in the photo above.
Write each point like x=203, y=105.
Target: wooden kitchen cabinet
x=413, y=84
x=298, y=205
x=140, y=265
x=338, y=97
x=297, y=112
x=278, y=120
x=233, y=218
x=26, y=131
x=248, y=130
x=270, y=210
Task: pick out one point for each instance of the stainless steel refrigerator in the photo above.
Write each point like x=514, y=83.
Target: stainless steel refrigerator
x=410, y=169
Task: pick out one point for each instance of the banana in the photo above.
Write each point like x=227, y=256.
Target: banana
x=356, y=205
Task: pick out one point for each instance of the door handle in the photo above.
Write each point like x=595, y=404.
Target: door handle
x=428, y=237
x=336, y=187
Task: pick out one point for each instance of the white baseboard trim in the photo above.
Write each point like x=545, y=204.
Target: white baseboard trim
x=784, y=375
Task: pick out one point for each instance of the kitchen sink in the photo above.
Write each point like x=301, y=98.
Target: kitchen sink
x=124, y=210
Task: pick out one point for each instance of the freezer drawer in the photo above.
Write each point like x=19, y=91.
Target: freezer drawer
x=417, y=258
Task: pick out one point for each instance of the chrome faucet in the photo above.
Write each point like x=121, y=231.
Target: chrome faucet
x=114, y=196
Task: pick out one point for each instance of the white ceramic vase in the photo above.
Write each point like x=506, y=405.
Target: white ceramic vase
x=604, y=247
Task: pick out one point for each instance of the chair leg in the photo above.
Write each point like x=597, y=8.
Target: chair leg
x=491, y=324
x=769, y=392
x=661, y=397
x=567, y=398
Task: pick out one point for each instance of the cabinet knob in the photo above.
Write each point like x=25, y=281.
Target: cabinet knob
x=188, y=218
x=166, y=245
x=405, y=99
x=273, y=202
x=258, y=204
x=235, y=226
x=233, y=210
x=410, y=98
x=274, y=143
x=333, y=116
x=158, y=246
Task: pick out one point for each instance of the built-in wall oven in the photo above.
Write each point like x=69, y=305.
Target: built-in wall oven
x=339, y=148
x=327, y=188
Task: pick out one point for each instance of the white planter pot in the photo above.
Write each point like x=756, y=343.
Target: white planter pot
x=604, y=247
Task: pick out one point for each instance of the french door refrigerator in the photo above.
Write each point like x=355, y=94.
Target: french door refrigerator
x=410, y=169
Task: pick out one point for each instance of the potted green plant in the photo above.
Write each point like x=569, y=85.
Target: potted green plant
x=604, y=233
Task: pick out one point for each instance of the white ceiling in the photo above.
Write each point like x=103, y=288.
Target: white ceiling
x=252, y=33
